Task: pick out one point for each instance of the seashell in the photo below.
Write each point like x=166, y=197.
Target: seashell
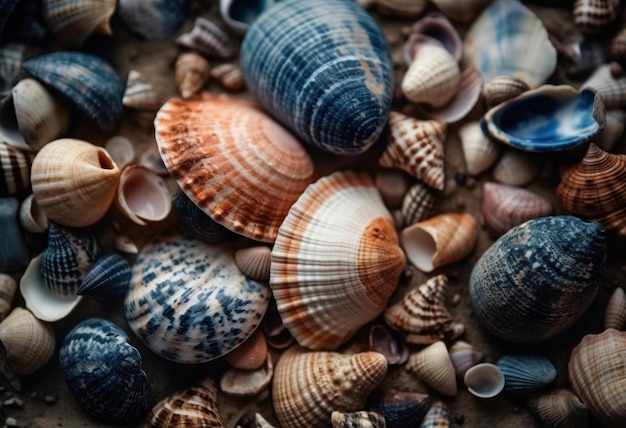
x=192, y=406
x=522, y=49
x=547, y=119
x=336, y=253
x=239, y=14
x=484, y=380
x=142, y=195
x=260, y=422
x=524, y=374
x=360, y=419
x=464, y=11
x=432, y=365
x=153, y=19
x=172, y=289
x=597, y=377
x=15, y=165
x=537, y=279
x=12, y=56
x=251, y=354
x=421, y=315
x=615, y=314
x=229, y=76
x=392, y=186
x=254, y=262
x=403, y=8
x=244, y=383
x=504, y=88
x=107, y=279
x=559, y=408
x=464, y=356
x=612, y=89
x=14, y=253
x=393, y=347
x=208, y=39
x=121, y=150
x=103, y=372
x=276, y=334
x=593, y=16
x=7, y=291
x=85, y=80
x=399, y=408
x=433, y=27
x=613, y=129
x=479, y=151
x=617, y=46
x=418, y=203
x=416, y=146
x=440, y=240
x=309, y=385
x=343, y=69
x=593, y=189
x=202, y=226
x=516, y=168
x=505, y=206
x=139, y=93
x=73, y=21
x=125, y=245
x=74, y=182
x=151, y=159
x=192, y=73
x=267, y=165
x=32, y=218
x=437, y=416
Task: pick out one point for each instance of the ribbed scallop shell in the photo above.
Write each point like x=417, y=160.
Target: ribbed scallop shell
x=593, y=16
x=258, y=168
x=207, y=38
x=537, y=279
x=254, y=262
x=72, y=21
x=596, y=373
x=615, y=314
x=418, y=203
x=479, y=151
x=524, y=374
x=433, y=366
x=593, y=189
x=503, y=88
x=309, y=385
x=201, y=225
x=153, y=19
x=15, y=169
x=336, y=260
x=559, y=408
x=464, y=356
x=108, y=278
x=192, y=73
x=139, y=93
x=323, y=68
x=399, y=408
x=416, y=146
x=437, y=416
x=612, y=89
x=8, y=285
x=176, y=282
x=361, y=419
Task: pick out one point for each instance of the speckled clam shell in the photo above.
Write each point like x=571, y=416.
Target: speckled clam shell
x=73, y=21
x=462, y=11
x=593, y=16
x=593, y=189
x=516, y=168
x=207, y=38
x=559, y=408
x=336, y=253
x=419, y=203
x=309, y=385
x=437, y=416
x=142, y=195
x=597, y=377
x=479, y=151
x=464, y=356
x=416, y=146
x=192, y=73
x=422, y=316
x=484, y=380
x=8, y=285
x=238, y=382
x=103, y=372
x=176, y=281
x=15, y=169
x=360, y=419
x=259, y=168
x=612, y=89
x=615, y=314
x=399, y=408
x=153, y=19
x=201, y=225
x=107, y=279
x=524, y=374
x=537, y=279
x=503, y=88
x=254, y=262
x=348, y=64
x=433, y=366
x=85, y=80
x=139, y=92
x=403, y=8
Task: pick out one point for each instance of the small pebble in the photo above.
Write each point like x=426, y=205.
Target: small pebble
x=9, y=402
x=10, y=422
x=50, y=399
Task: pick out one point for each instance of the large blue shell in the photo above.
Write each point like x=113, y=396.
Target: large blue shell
x=524, y=374
x=107, y=279
x=323, y=68
x=103, y=372
x=537, y=279
x=86, y=80
x=14, y=253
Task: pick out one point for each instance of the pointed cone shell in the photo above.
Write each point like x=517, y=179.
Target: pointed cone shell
x=361, y=419
x=399, y=408
x=142, y=195
x=437, y=416
x=72, y=22
x=251, y=354
x=309, y=385
x=418, y=203
x=192, y=73
x=107, y=279
x=440, y=240
x=479, y=151
x=336, y=253
x=524, y=374
x=559, y=408
x=433, y=366
x=255, y=262
x=258, y=172
x=74, y=181
x=484, y=380
x=615, y=315
x=464, y=356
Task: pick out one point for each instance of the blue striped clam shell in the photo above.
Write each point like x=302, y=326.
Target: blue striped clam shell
x=107, y=279
x=323, y=69
x=524, y=374
x=189, y=303
x=103, y=372
x=86, y=80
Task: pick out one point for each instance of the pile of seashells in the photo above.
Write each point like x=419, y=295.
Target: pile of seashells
x=322, y=212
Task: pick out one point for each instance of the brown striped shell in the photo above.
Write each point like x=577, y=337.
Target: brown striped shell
x=192, y=73
x=254, y=262
x=418, y=203
x=593, y=16
x=615, y=314
x=14, y=169
x=559, y=408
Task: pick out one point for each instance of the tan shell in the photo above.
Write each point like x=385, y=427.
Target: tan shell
x=229, y=76
x=503, y=88
x=192, y=73
x=440, y=240
x=462, y=11
x=32, y=217
x=142, y=195
x=258, y=168
x=559, y=408
x=612, y=89
x=360, y=419
x=8, y=285
x=244, y=383
x=74, y=182
x=479, y=151
x=255, y=262
x=432, y=365
x=419, y=203
x=593, y=16
x=73, y=21
x=597, y=375
x=416, y=146
x=251, y=354
x=464, y=356
x=516, y=168
x=139, y=93
x=615, y=315
x=309, y=385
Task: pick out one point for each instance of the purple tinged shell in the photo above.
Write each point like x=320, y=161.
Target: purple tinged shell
x=392, y=346
x=107, y=279
x=524, y=374
x=399, y=408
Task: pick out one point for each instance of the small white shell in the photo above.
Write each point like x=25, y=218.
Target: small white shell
x=32, y=217
x=484, y=380
x=480, y=152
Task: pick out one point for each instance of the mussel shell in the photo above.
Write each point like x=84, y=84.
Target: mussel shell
x=524, y=374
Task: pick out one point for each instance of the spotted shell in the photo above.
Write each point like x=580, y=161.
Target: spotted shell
x=189, y=303
x=72, y=21
x=258, y=168
x=153, y=19
x=524, y=374
x=559, y=408
x=399, y=408
x=348, y=64
x=14, y=169
x=593, y=16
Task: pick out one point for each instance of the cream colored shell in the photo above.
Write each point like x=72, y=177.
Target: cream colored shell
x=433, y=366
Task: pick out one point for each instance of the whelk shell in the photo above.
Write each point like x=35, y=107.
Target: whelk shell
x=484, y=380
x=433, y=366
x=399, y=408
x=479, y=151
x=207, y=38
x=559, y=408
x=361, y=419
x=7, y=290
x=524, y=374
x=192, y=73
x=615, y=315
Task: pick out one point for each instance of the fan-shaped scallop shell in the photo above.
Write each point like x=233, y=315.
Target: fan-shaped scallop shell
x=207, y=38
x=258, y=168
x=418, y=203
x=15, y=172
x=309, y=385
x=615, y=314
x=524, y=374
x=153, y=19
x=596, y=373
x=254, y=262
x=399, y=408
x=479, y=151
x=72, y=21
x=360, y=419
x=433, y=366
x=593, y=189
x=176, y=283
x=593, y=16
x=336, y=253
x=8, y=285
x=559, y=408
x=192, y=73
x=338, y=99
x=464, y=356
x=108, y=278
x=537, y=279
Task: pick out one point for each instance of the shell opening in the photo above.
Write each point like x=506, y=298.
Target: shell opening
x=420, y=247
x=484, y=380
x=104, y=160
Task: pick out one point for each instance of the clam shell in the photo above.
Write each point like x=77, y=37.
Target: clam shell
x=153, y=19
x=107, y=279
x=418, y=203
x=14, y=253
x=348, y=64
x=254, y=262
x=597, y=376
x=139, y=93
x=15, y=165
x=207, y=38
x=391, y=345
x=432, y=365
x=437, y=416
x=503, y=88
x=537, y=279
x=73, y=21
x=399, y=408
x=524, y=374
x=615, y=315
x=251, y=354
x=361, y=419
x=484, y=380
x=192, y=73
x=593, y=16
x=479, y=151
x=336, y=253
x=103, y=372
x=238, y=382
x=8, y=285
x=309, y=385
x=229, y=76
x=121, y=150
x=516, y=168
x=239, y=14
x=612, y=89
x=201, y=225
x=259, y=168
x=176, y=281
x=142, y=195
x=462, y=11
x=74, y=182
x=32, y=218
x=464, y=356
x=559, y=408
x=403, y=8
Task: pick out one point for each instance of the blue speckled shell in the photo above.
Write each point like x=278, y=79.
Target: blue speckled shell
x=188, y=301
x=323, y=68
x=107, y=279
x=201, y=225
x=524, y=374
x=14, y=254
x=103, y=372
x=537, y=279
x=85, y=80
x=153, y=19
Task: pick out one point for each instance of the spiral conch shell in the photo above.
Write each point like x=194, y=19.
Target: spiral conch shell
x=336, y=253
